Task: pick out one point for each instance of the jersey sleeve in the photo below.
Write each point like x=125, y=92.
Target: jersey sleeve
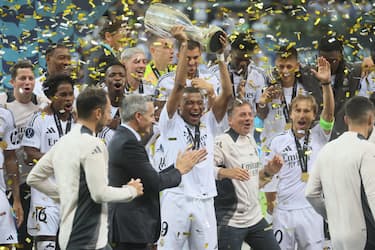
x=9, y=131
x=33, y=132
x=95, y=167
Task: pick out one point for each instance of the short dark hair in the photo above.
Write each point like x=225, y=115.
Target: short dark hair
x=110, y=26
x=357, y=108
x=51, y=85
x=22, y=64
x=287, y=52
x=190, y=90
x=191, y=44
x=114, y=64
x=330, y=43
x=51, y=48
x=90, y=99
x=242, y=41
x=237, y=102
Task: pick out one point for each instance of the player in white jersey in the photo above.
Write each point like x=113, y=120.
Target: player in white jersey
x=341, y=186
x=115, y=77
x=44, y=130
x=247, y=79
x=134, y=60
x=274, y=104
x=196, y=77
x=187, y=211
x=8, y=220
x=26, y=103
x=295, y=223
x=79, y=163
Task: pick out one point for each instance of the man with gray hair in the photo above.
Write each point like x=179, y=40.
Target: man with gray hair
x=134, y=60
x=136, y=225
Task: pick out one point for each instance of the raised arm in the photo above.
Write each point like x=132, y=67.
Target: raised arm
x=221, y=102
x=324, y=76
x=181, y=71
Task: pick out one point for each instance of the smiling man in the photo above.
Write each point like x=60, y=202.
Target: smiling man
x=43, y=131
x=294, y=220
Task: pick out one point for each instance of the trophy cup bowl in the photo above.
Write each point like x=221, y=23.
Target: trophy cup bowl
x=160, y=18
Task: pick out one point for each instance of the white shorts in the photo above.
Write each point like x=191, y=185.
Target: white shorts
x=303, y=227
x=43, y=221
x=8, y=231
x=187, y=219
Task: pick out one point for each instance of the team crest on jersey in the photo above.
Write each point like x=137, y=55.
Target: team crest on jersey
x=29, y=133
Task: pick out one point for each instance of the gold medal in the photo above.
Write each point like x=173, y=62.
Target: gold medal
x=304, y=176
x=288, y=126
x=3, y=145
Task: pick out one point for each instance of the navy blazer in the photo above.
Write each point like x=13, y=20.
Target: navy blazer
x=137, y=221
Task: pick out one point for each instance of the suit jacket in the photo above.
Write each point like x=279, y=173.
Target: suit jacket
x=137, y=221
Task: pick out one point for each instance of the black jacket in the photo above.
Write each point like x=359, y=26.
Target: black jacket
x=139, y=220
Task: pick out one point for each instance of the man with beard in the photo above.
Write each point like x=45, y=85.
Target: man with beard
x=43, y=131
x=341, y=186
x=247, y=79
x=79, y=163
x=115, y=77
x=345, y=78
x=294, y=220
x=134, y=60
x=58, y=60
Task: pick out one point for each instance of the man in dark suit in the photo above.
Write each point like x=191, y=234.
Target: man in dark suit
x=136, y=225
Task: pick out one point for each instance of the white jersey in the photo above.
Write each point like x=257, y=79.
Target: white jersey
x=167, y=81
x=145, y=88
x=107, y=133
x=7, y=127
x=367, y=85
x=233, y=150
x=275, y=122
x=42, y=133
x=290, y=187
x=254, y=82
x=22, y=113
x=336, y=175
x=177, y=136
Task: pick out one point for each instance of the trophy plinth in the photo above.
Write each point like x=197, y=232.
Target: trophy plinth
x=160, y=18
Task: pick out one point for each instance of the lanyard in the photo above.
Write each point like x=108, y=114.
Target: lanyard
x=156, y=71
x=58, y=124
x=128, y=88
x=285, y=105
x=232, y=80
x=197, y=136
x=302, y=156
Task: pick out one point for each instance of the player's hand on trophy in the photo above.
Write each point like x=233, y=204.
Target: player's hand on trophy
x=224, y=42
x=178, y=32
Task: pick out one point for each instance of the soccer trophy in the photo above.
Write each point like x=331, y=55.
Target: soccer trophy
x=160, y=18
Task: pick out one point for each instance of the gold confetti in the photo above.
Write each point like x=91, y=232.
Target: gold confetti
x=317, y=21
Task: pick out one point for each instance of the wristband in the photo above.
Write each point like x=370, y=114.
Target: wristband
x=326, y=125
x=220, y=57
x=262, y=105
x=325, y=83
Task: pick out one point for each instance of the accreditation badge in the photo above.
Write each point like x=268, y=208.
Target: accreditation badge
x=304, y=176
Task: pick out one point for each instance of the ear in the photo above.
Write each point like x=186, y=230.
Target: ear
x=12, y=81
x=98, y=114
x=137, y=116
x=346, y=120
x=152, y=49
